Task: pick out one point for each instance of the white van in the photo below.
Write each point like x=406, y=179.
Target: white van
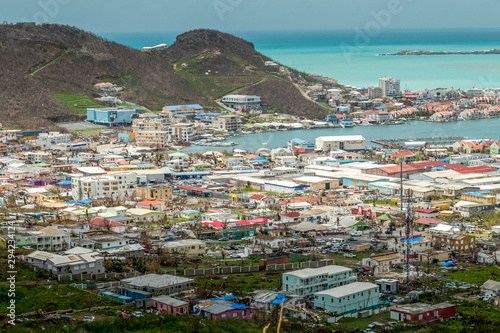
x=356, y=233
x=337, y=240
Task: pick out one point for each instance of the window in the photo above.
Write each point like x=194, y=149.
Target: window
x=91, y=265
x=420, y=317
x=235, y=315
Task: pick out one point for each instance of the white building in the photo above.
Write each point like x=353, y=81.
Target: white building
x=306, y=282
x=350, y=299
x=112, y=185
x=390, y=86
x=236, y=102
x=344, y=142
x=46, y=140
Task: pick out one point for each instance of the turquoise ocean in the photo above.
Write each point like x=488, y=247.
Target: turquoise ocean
x=336, y=54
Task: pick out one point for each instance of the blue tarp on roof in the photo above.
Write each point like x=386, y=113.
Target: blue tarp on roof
x=279, y=299
x=85, y=201
x=71, y=202
x=448, y=264
x=65, y=182
x=239, y=306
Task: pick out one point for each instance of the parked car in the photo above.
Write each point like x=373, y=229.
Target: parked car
x=451, y=285
x=375, y=240
x=88, y=318
x=356, y=233
x=349, y=255
x=137, y=314
x=223, y=239
x=352, y=239
x=235, y=255
x=398, y=300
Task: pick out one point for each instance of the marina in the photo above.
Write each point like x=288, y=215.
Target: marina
x=480, y=128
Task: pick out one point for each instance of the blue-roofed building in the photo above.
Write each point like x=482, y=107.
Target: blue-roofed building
x=188, y=111
x=118, y=116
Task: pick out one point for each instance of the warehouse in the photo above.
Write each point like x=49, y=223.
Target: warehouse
x=343, y=142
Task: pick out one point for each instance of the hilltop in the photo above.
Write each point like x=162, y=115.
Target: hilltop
x=40, y=63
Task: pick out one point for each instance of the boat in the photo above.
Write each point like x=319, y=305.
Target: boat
x=269, y=140
x=365, y=123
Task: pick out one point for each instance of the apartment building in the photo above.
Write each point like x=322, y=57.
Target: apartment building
x=183, y=132
x=238, y=102
x=151, y=132
x=349, y=299
x=306, y=282
x=159, y=192
x=227, y=123
x=390, y=86
x=454, y=242
x=118, y=185
x=37, y=157
x=375, y=92
x=75, y=261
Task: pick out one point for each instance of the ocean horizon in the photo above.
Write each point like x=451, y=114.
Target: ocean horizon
x=352, y=57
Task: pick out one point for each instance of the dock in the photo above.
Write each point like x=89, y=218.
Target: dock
x=400, y=142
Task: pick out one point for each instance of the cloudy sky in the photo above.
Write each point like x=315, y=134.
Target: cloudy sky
x=246, y=15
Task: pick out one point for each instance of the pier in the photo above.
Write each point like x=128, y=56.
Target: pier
x=400, y=142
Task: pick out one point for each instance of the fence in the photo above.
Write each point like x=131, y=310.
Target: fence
x=301, y=265
x=221, y=270
x=252, y=269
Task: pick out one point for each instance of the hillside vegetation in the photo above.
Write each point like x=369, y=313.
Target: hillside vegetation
x=45, y=66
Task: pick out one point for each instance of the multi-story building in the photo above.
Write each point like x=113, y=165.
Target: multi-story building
x=188, y=111
x=479, y=197
x=118, y=185
x=227, y=123
x=349, y=299
x=38, y=157
x=242, y=102
x=381, y=117
x=390, y=86
x=49, y=238
x=152, y=132
x=345, y=142
x=46, y=140
x=74, y=261
x=118, y=116
x=375, y=92
x=454, y=242
x=306, y=282
x=183, y=132
x=159, y=192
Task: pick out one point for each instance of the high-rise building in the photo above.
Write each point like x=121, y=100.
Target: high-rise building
x=390, y=86
x=375, y=92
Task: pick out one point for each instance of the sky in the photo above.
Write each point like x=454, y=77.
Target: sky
x=105, y=16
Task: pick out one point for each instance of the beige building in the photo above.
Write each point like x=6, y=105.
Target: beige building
x=151, y=132
x=184, y=110
x=159, y=192
x=227, y=123
x=375, y=92
x=318, y=183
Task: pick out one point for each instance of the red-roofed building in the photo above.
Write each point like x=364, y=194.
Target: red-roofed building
x=262, y=199
x=151, y=203
x=105, y=224
x=476, y=169
x=429, y=213
x=427, y=221
x=290, y=217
